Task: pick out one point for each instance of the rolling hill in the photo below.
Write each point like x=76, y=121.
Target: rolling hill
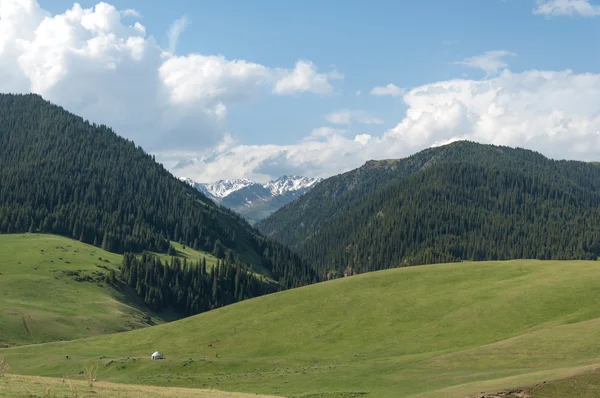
x=462, y=201
x=53, y=288
x=447, y=330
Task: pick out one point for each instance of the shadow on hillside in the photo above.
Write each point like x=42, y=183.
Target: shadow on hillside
x=127, y=295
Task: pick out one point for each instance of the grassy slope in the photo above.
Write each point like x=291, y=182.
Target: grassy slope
x=15, y=386
x=190, y=254
x=430, y=331
x=583, y=386
x=39, y=302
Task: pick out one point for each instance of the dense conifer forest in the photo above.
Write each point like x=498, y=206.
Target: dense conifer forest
x=189, y=288
x=60, y=174
x=463, y=201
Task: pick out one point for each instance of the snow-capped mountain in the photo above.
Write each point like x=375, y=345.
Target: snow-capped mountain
x=254, y=200
x=222, y=188
x=290, y=183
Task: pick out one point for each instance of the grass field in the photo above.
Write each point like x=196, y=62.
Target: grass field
x=430, y=331
x=586, y=385
x=15, y=386
x=42, y=300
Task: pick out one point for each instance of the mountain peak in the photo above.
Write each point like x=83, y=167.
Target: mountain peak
x=252, y=199
x=222, y=188
x=290, y=184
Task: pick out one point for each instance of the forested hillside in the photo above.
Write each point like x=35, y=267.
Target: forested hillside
x=451, y=203
x=190, y=288
x=60, y=174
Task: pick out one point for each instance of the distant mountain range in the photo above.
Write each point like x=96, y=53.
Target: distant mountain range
x=253, y=200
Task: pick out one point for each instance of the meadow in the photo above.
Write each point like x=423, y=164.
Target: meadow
x=16, y=386
x=448, y=330
x=53, y=288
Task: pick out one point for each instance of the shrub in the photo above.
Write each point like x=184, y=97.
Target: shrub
x=3, y=366
x=91, y=372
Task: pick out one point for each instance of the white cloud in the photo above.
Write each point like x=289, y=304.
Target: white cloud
x=130, y=12
x=176, y=29
x=326, y=132
x=210, y=78
x=370, y=120
x=105, y=68
x=339, y=117
x=345, y=117
x=391, y=89
x=490, y=62
x=304, y=77
x=566, y=8
x=97, y=63
x=358, y=93
x=556, y=113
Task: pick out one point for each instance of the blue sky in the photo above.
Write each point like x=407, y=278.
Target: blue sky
x=372, y=43
x=495, y=45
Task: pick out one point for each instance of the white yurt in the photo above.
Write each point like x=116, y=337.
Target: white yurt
x=157, y=355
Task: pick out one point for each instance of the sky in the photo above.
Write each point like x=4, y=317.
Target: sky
x=258, y=89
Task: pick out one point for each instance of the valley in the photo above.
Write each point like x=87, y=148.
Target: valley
x=106, y=258
x=296, y=199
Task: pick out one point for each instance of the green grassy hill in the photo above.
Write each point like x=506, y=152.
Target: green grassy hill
x=432, y=331
x=52, y=288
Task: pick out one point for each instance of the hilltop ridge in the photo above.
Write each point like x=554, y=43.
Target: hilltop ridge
x=461, y=201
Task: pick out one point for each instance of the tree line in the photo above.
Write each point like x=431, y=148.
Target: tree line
x=190, y=288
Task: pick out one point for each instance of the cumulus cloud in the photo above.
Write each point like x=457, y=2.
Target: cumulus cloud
x=175, y=31
x=556, y=113
x=210, y=78
x=566, y=8
x=391, y=90
x=345, y=117
x=304, y=77
x=490, y=62
x=100, y=63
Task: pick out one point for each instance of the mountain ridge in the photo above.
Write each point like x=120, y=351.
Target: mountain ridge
x=462, y=201
x=63, y=175
x=252, y=199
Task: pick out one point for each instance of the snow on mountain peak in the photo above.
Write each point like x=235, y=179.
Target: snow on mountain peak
x=290, y=183
x=222, y=188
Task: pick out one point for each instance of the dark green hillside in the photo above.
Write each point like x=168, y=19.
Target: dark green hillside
x=456, y=202
x=60, y=174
